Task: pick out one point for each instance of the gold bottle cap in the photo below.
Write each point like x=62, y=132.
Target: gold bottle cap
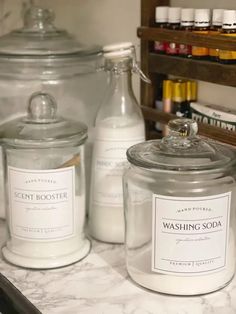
x=189, y=90
x=167, y=89
x=194, y=90
x=179, y=91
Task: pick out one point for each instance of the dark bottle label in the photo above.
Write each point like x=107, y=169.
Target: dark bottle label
x=185, y=50
x=172, y=48
x=159, y=46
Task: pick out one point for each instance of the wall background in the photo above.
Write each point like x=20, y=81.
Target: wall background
x=108, y=21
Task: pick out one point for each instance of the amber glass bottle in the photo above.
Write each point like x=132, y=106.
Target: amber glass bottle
x=201, y=26
x=216, y=27
x=228, y=29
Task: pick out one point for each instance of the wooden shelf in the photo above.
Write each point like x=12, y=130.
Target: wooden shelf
x=208, y=71
x=213, y=132
x=183, y=37
x=158, y=67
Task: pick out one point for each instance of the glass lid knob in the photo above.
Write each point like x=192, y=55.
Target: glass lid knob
x=42, y=108
x=39, y=19
x=183, y=127
x=182, y=134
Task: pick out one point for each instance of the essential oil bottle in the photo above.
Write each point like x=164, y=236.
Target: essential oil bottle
x=201, y=26
x=173, y=24
x=179, y=97
x=216, y=27
x=186, y=24
x=167, y=102
x=228, y=29
x=161, y=18
x=191, y=96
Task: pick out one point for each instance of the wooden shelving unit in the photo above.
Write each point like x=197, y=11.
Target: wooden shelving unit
x=158, y=66
x=198, y=70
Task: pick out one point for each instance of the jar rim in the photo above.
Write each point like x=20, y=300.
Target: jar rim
x=143, y=156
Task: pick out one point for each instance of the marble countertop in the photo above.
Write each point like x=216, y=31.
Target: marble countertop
x=99, y=284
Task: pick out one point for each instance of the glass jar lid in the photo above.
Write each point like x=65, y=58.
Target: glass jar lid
x=42, y=127
x=40, y=38
x=182, y=150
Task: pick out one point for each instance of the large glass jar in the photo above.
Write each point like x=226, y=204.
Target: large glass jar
x=41, y=57
x=45, y=187
x=180, y=202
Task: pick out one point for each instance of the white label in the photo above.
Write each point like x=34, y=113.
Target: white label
x=41, y=203
x=109, y=163
x=190, y=234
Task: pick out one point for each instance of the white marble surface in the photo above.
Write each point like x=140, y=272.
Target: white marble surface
x=99, y=284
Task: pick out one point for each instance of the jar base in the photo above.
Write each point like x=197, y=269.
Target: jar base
x=179, y=290
x=46, y=263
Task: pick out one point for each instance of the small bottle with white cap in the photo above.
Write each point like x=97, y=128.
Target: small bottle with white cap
x=202, y=20
x=161, y=21
x=228, y=29
x=216, y=28
x=173, y=24
x=186, y=24
x=119, y=124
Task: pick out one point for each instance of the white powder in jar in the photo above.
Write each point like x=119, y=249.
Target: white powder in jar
x=54, y=253
x=113, y=137
x=140, y=269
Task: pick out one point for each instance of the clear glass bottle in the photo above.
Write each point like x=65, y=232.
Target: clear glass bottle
x=180, y=205
x=45, y=187
x=119, y=125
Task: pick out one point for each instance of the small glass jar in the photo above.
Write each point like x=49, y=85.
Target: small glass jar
x=180, y=199
x=45, y=187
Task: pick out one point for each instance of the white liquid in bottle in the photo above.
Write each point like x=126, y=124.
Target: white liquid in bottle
x=109, y=161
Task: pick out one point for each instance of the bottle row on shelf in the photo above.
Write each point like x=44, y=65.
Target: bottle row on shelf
x=180, y=97
x=200, y=21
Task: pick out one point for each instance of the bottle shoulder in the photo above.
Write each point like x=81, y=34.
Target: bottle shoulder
x=186, y=28
x=121, y=106
x=201, y=29
x=174, y=26
x=228, y=31
x=120, y=128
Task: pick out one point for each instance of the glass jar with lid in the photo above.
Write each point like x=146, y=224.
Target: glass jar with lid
x=180, y=202
x=41, y=57
x=45, y=187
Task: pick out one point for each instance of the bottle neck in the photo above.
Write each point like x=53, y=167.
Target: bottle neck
x=120, y=76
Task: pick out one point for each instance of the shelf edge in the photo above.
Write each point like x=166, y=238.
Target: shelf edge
x=184, y=37
x=207, y=71
x=213, y=132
